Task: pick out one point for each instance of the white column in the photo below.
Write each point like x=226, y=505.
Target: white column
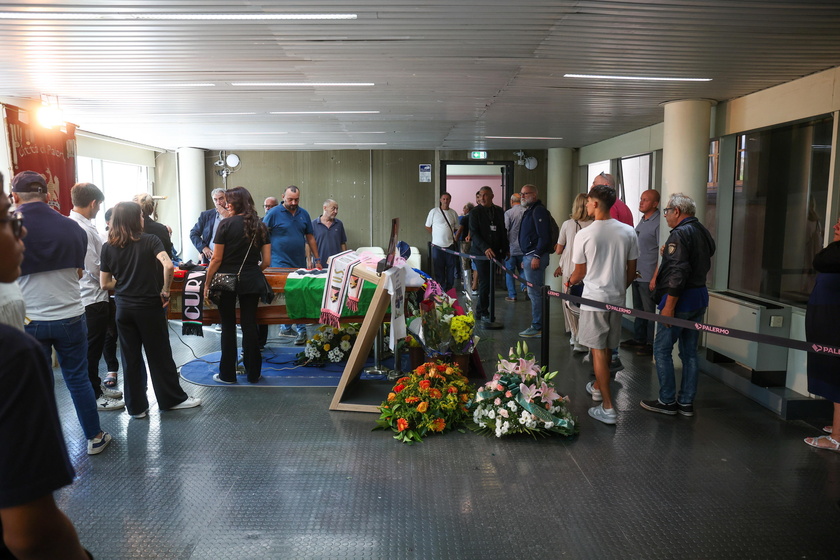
x=192, y=191
x=685, y=154
x=560, y=192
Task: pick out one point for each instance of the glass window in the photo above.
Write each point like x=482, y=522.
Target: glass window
x=635, y=178
x=779, y=209
x=117, y=181
x=710, y=221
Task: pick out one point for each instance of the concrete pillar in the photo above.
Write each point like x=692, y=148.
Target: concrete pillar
x=560, y=192
x=685, y=156
x=192, y=189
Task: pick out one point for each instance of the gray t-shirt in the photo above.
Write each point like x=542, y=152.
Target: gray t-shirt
x=647, y=231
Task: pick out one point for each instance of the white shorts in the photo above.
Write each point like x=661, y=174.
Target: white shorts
x=599, y=329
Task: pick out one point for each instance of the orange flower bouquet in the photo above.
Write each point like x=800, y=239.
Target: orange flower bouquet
x=432, y=398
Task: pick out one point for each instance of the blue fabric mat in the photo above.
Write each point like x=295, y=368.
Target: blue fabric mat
x=278, y=370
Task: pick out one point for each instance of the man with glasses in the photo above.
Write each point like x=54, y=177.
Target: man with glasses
x=204, y=230
x=270, y=203
x=681, y=291
x=536, y=244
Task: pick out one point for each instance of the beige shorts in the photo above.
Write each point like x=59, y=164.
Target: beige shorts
x=599, y=329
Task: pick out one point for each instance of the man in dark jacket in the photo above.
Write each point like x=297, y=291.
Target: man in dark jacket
x=204, y=230
x=489, y=239
x=536, y=244
x=680, y=287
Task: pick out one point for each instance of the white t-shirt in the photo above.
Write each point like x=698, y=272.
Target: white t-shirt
x=442, y=232
x=605, y=247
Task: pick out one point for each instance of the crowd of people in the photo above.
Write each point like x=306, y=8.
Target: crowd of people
x=56, y=274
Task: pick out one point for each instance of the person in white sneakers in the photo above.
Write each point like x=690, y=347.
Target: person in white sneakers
x=52, y=265
x=604, y=255
x=87, y=200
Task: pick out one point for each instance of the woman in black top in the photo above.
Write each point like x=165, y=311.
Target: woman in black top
x=242, y=246
x=128, y=266
x=147, y=205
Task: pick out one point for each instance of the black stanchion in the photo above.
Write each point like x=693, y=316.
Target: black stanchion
x=546, y=322
x=491, y=310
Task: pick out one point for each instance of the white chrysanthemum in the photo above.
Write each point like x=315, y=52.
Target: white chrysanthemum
x=335, y=355
x=512, y=406
x=345, y=345
x=491, y=414
x=549, y=425
x=350, y=330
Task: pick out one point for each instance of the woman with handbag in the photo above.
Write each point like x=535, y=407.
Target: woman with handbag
x=242, y=251
x=576, y=222
x=128, y=266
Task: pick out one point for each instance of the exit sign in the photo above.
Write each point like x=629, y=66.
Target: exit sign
x=478, y=155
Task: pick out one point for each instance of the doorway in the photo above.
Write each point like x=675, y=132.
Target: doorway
x=462, y=179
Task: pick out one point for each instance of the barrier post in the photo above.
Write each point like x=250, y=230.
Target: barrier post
x=546, y=322
x=491, y=309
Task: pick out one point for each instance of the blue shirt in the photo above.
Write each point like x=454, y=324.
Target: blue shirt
x=328, y=239
x=288, y=236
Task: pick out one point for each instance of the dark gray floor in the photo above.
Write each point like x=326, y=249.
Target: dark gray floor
x=274, y=474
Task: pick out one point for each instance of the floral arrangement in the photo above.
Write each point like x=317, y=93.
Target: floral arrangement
x=329, y=345
x=442, y=327
x=519, y=400
x=431, y=399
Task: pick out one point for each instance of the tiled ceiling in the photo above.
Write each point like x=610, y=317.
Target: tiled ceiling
x=446, y=74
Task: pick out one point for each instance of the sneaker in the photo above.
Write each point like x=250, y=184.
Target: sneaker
x=474, y=292
x=686, y=409
x=98, y=444
x=286, y=332
x=596, y=394
x=588, y=358
x=217, y=378
x=646, y=350
x=510, y=298
x=603, y=415
x=104, y=403
x=111, y=393
x=578, y=348
x=217, y=328
x=141, y=414
x=616, y=365
x=531, y=332
x=632, y=344
x=300, y=340
x=660, y=407
x=191, y=402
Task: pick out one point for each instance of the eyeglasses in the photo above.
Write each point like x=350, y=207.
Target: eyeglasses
x=16, y=222
x=668, y=209
x=526, y=193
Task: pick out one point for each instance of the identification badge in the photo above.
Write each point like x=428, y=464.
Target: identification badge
x=492, y=228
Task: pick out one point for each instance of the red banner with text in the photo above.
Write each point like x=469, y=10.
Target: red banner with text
x=48, y=151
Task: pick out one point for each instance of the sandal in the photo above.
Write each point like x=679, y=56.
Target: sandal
x=827, y=429
x=833, y=445
x=110, y=380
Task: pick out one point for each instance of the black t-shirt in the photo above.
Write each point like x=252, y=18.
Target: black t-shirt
x=33, y=456
x=231, y=234
x=159, y=231
x=139, y=281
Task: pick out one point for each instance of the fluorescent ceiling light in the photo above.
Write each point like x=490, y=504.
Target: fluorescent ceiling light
x=637, y=78
x=354, y=133
x=192, y=114
x=351, y=143
x=523, y=137
x=244, y=133
x=302, y=84
x=198, y=84
x=162, y=17
x=323, y=112
x=272, y=144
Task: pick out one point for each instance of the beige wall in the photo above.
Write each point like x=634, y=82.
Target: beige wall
x=371, y=187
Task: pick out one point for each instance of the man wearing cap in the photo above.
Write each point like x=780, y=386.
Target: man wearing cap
x=50, y=272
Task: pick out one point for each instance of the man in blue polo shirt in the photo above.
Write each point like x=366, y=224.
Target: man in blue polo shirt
x=290, y=228
x=329, y=233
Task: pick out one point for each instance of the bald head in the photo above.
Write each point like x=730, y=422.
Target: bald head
x=603, y=179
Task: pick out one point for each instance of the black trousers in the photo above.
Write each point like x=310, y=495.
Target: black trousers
x=251, y=356
x=483, y=269
x=145, y=329
x=109, y=352
x=96, y=316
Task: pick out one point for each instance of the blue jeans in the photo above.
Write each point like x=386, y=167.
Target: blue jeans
x=514, y=264
x=69, y=338
x=663, y=346
x=537, y=278
x=643, y=300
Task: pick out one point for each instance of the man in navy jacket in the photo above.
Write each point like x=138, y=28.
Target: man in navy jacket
x=536, y=243
x=204, y=230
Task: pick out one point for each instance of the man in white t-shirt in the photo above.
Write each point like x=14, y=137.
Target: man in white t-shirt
x=442, y=222
x=604, y=255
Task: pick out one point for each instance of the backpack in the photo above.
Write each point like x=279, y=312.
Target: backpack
x=553, y=229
